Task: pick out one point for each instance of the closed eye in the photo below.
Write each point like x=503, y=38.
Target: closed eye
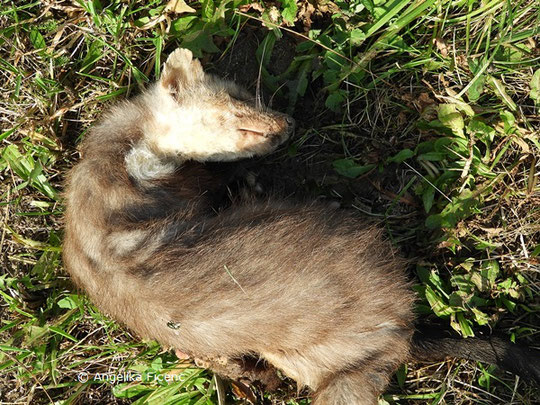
x=247, y=131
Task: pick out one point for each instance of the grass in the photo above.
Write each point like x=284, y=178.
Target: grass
x=423, y=114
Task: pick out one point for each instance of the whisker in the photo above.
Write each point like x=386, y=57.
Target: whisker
x=258, y=101
x=273, y=95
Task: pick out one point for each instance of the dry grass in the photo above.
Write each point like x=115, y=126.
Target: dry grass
x=370, y=131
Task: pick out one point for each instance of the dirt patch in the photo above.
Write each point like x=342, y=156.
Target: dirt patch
x=303, y=168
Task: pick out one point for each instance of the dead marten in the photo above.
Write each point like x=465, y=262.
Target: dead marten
x=315, y=292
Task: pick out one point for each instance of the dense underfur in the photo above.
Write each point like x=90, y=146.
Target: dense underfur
x=317, y=293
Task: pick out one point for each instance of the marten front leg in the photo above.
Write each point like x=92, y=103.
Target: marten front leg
x=245, y=369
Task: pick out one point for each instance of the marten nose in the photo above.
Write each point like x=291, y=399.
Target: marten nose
x=290, y=121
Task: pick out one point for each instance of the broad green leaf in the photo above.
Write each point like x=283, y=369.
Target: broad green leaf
x=357, y=37
x=484, y=380
x=477, y=88
x=427, y=197
x=334, y=61
x=69, y=302
x=436, y=280
x=511, y=305
x=463, y=283
x=465, y=325
x=432, y=156
x=37, y=39
x=499, y=89
x=438, y=305
x=442, y=144
x=335, y=100
x=157, y=364
x=289, y=10
x=434, y=221
x=401, y=156
x=198, y=42
x=450, y=117
x=182, y=24
x=207, y=9
x=348, y=168
x=457, y=299
x=330, y=77
x=423, y=273
x=509, y=120
x=482, y=131
x=480, y=317
x=28, y=169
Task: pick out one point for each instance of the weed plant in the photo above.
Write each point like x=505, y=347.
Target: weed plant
x=421, y=114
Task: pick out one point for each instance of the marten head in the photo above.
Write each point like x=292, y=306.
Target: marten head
x=197, y=116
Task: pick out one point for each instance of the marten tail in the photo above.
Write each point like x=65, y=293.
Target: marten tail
x=434, y=345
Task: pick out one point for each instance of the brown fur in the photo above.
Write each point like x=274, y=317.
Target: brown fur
x=315, y=292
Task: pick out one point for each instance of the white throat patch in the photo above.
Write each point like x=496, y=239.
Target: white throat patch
x=143, y=164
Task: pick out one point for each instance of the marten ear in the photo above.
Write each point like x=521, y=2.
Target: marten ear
x=180, y=71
